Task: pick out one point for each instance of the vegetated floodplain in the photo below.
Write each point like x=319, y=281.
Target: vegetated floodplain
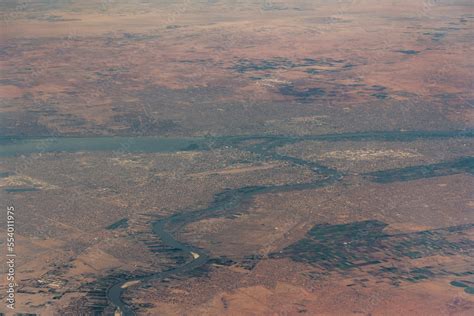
x=328, y=246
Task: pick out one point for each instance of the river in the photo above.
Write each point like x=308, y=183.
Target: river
x=224, y=203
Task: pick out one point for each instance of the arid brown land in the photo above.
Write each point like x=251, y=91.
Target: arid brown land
x=326, y=165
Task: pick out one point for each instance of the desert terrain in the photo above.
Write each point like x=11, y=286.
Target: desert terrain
x=238, y=157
